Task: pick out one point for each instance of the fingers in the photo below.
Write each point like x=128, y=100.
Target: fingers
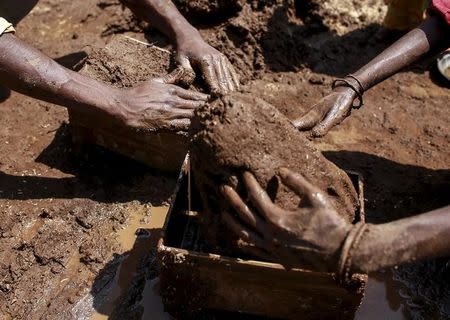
x=254, y=251
x=242, y=231
x=191, y=95
x=180, y=114
x=210, y=76
x=333, y=118
x=259, y=198
x=188, y=74
x=302, y=187
x=181, y=75
x=234, y=75
x=170, y=78
x=219, y=74
x=311, y=118
x=329, y=112
x=228, y=77
x=186, y=104
x=180, y=124
x=241, y=208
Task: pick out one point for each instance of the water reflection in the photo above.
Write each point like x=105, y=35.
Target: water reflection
x=137, y=246
x=381, y=300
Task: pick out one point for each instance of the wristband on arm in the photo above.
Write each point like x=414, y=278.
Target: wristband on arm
x=352, y=82
x=350, y=244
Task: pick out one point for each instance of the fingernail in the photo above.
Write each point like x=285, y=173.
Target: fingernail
x=246, y=174
x=283, y=172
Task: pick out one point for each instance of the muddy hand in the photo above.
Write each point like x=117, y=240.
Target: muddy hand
x=329, y=112
x=216, y=69
x=158, y=104
x=309, y=236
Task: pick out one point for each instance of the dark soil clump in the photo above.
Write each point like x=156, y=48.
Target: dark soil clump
x=240, y=132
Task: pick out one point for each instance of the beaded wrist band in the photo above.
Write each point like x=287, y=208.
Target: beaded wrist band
x=345, y=260
x=343, y=82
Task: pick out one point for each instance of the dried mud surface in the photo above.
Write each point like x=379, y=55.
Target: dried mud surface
x=241, y=132
x=116, y=63
x=288, y=54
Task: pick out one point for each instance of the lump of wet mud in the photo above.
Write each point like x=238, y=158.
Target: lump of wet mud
x=241, y=132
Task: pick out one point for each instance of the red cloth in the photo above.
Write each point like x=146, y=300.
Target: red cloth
x=442, y=8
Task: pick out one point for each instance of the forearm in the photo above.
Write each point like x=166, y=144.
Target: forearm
x=420, y=237
x=430, y=35
x=28, y=71
x=163, y=15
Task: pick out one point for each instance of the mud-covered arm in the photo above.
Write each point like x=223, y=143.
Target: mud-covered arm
x=421, y=237
x=163, y=15
x=29, y=71
x=217, y=71
x=432, y=34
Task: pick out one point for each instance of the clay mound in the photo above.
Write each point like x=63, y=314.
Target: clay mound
x=240, y=132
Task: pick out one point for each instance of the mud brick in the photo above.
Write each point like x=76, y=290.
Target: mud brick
x=124, y=63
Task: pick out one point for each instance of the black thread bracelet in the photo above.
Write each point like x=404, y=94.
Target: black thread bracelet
x=357, y=80
x=346, y=83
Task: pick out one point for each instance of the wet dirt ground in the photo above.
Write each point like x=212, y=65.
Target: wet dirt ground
x=79, y=228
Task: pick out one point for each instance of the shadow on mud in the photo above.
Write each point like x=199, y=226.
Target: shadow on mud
x=288, y=46
x=393, y=190
x=98, y=174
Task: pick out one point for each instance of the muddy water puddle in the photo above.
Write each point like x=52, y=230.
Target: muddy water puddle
x=381, y=300
x=136, y=239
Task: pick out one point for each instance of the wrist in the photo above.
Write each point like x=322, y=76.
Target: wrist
x=336, y=244
x=356, y=83
x=90, y=96
x=349, y=246
x=186, y=34
x=350, y=83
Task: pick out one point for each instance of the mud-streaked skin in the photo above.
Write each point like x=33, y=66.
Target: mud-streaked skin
x=314, y=235
x=191, y=49
x=431, y=35
x=156, y=103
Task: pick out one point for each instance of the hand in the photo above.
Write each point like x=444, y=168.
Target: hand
x=217, y=71
x=158, y=104
x=309, y=236
x=329, y=112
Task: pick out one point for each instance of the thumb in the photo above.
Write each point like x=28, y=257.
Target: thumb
x=183, y=61
x=180, y=76
x=189, y=73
